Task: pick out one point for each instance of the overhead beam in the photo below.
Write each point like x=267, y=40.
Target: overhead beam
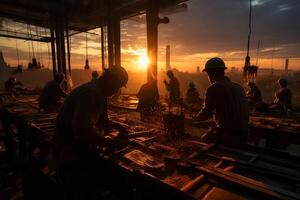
x=46, y=40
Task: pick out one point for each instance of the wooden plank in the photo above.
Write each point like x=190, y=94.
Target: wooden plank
x=247, y=183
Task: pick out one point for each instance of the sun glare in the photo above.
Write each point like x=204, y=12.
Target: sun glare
x=143, y=62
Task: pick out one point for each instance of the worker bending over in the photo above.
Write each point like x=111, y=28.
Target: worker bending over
x=173, y=88
x=148, y=99
x=95, y=76
x=81, y=124
x=52, y=94
x=10, y=85
x=227, y=103
x=253, y=95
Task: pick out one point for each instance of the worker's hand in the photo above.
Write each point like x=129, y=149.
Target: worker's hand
x=122, y=130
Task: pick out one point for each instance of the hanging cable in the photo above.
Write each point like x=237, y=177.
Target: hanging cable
x=33, y=55
x=29, y=51
x=86, y=53
x=17, y=49
x=250, y=28
x=38, y=49
x=48, y=48
x=257, y=54
x=247, y=70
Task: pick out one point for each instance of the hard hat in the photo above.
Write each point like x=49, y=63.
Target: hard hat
x=214, y=64
x=119, y=73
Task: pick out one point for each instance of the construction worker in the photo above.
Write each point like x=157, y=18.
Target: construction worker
x=148, y=99
x=253, y=95
x=10, y=85
x=81, y=124
x=226, y=102
x=95, y=76
x=52, y=95
x=283, y=97
x=173, y=88
x=192, y=95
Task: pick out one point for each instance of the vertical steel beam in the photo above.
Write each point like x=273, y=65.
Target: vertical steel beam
x=117, y=41
x=58, y=48
x=152, y=39
x=68, y=50
x=102, y=48
x=60, y=45
x=63, y=50
x=110, y=42
x=53, y=52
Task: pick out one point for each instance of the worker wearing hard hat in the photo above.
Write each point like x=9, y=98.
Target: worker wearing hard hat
x=82, y=123
x=95, y=76
x=283, y=97
x=52, y=95
x=227, y=103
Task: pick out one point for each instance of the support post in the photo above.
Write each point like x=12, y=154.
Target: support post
x=117, y=41
x=102, y=48
x=153, y=20
x=60, y=45
x=53, y=52
x=68, y=50
x=58, y=49
x=152, y=40
x=110, y=42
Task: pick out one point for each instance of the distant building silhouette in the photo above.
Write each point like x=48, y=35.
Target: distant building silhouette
x=286, y=67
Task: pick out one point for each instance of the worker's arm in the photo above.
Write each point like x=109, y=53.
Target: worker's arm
x=86, y=116
x=61, y=91
x=209, y=106
x=115, y=125
x=167, y=85
x=108, y=124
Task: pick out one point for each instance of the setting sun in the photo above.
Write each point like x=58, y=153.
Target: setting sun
x=143, y=62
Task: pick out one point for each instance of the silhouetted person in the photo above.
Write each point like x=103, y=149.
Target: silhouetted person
x=10, y=85
x=283, y=99
x=52, y=94
x=192, y=95
x=226, y=102
x=253, y=95
x=34, y=64
x=95, y=76
x=173, y=88
x=81, y=123
x=148, y=98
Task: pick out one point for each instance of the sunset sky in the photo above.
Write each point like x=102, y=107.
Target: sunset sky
x=208, y=28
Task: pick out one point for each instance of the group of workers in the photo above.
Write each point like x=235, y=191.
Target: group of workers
x=282, y=101
x=82, y=121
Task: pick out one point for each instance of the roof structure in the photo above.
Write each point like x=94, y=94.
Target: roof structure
x=81, y=15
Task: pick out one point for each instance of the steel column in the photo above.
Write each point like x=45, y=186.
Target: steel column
x=53, y=52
